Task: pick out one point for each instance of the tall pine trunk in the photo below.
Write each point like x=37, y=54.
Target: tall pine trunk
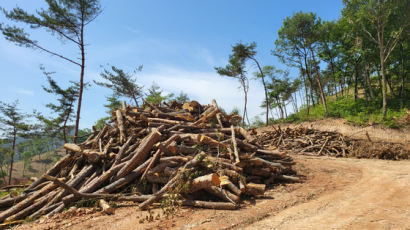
x=80, y=93
x=13, y=147
x=322, y=95
x=265, y=89
x=402, y=76
x=356, y=82
x=369, y=82
x=306, y=90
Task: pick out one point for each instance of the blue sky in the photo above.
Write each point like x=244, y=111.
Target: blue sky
x=177, y=42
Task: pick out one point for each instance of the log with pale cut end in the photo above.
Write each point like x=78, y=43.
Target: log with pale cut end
x=92, y=155
x=229, y=185
x=223, y=194
x=255, y=189
x=203, y=182
x=106, y=208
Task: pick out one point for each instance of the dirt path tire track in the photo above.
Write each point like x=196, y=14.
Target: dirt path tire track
x=380, y=199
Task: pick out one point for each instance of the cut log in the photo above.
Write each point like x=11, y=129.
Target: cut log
x=203, y=182
x=123, y=150
x=121, y=126
x=229, y=185
x=223, y=194
x=209, y=205
x=106, y=208
x=141, y=154
x=255, y=189
x=26, y=202
x=235, y=147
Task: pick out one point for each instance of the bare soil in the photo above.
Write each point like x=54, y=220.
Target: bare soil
x=338, y=194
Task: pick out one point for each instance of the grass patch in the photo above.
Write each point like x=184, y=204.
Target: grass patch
x=358, y=112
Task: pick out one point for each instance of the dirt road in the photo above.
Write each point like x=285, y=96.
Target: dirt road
x=338, y=194
x=379, y=199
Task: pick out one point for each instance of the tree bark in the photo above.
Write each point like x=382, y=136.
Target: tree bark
x=265, y=89
x=369, y=82
x=80, y=92
x=402, y=96
x=141, y=153
x=13, y=147
x=322, y=94
x=356, y=76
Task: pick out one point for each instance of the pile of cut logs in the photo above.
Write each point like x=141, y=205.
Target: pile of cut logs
x=306, y=141
x=150, y=154
x=302, y=140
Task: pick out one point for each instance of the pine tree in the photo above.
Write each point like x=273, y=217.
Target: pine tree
x=121, y=83
x=13, y=124
x=65, y=19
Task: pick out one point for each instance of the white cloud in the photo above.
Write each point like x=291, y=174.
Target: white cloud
x=205, y=86
x=25, y=92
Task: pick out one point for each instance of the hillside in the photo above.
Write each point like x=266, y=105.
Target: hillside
x=38, y=165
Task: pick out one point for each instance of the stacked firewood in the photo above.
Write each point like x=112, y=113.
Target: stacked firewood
x=188, y=152
x=302, y=140
x=306, y=141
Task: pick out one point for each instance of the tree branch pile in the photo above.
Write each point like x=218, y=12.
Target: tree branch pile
x=148, y=155
x=301, y=140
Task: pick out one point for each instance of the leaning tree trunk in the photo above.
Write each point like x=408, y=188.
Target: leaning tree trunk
x=309, y=77
x=384, y=87
x=265, y=89
x=380, y=39
x=13, y=147
x=322, y=95
x=80, y=93
x=306, y=90
x=333, y=74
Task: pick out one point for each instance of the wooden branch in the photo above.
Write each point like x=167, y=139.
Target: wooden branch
x=26, y=202
x=218, y=118
x=324, y=144
x=209, y=205
x=151, y=163
x=196, y=160
x=232, y=187
x=235, y=147
x=223, y=194
x=118, y=183
x=141, y=154
x=123, y=150
x=121, y=126
x=106, y=208
x=52, y=171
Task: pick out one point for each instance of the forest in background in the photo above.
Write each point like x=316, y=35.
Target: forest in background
x=354, y=68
